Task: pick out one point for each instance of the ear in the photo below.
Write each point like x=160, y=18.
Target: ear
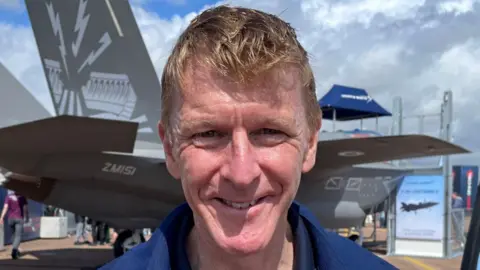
x=172, y=164
x=311, y=151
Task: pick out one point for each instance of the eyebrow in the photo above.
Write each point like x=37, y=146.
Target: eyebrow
x=188, y=126
x=277, y=122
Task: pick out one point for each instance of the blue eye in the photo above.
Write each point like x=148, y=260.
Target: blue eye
x=268, y=137
x=209, y=139
x=207, y=134
x=269, y=131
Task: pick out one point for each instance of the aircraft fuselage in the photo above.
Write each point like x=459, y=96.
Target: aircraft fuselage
x=141, y=192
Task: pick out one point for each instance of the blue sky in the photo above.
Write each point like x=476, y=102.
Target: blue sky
x=14, y=12
x=167, y=8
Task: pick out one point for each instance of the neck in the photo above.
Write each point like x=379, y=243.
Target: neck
x=204, y=254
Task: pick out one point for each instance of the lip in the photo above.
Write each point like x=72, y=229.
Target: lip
x=249, y=211
x=240, y=201
x=243, y=200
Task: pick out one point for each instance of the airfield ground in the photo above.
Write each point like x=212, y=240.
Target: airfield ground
x=61, y=254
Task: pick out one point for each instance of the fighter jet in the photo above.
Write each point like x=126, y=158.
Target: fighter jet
x=101, y=157
x=15, y=94
x=416, y=206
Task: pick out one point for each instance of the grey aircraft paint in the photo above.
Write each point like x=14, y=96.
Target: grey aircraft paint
x=135, y=192
x=17, y=104
x=345, y=195
x=96, y=62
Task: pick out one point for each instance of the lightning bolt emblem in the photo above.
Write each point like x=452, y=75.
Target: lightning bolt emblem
x=105, y=41
x=57, y=30
x=80, y=26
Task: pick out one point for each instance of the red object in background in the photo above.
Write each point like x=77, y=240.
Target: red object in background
x=469, y=189
x=465, y=183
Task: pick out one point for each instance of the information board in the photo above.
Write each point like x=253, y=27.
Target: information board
x=420, y=207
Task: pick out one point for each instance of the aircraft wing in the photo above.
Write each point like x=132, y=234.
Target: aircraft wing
x=128, y=191
x=64, y=134
x=347, y=152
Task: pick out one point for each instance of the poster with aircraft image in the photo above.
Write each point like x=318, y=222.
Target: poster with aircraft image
x=419, y=207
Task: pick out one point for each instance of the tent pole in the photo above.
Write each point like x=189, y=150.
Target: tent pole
x=376, y=123
x=334, y=118
x=361, y=124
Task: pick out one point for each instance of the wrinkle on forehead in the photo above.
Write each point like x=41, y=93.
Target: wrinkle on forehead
x=271, y=87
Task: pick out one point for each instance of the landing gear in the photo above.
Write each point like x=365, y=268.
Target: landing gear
x=354, y=237
x=357, y=236
x=127, y=240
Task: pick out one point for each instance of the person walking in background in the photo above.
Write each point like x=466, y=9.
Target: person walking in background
x=458, y=216
x=106, y=229
x=81, y=230
x=16, y=210
x=457, y=201
x=98, y=232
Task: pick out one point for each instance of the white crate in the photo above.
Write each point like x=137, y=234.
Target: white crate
x=53, y=227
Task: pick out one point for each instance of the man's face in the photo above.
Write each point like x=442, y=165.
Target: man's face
x=239, y=152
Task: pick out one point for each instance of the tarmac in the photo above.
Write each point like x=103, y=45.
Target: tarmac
x=379, y=247
x=61, y=254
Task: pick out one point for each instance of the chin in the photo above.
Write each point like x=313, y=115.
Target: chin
x=243, y=231
x=243, y=244
x=249, y=239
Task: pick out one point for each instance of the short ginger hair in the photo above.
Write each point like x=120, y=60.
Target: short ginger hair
x=240, y=43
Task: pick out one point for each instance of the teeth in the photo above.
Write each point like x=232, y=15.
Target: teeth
x=240, y=205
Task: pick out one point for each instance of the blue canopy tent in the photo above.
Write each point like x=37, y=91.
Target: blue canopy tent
x=345, y=103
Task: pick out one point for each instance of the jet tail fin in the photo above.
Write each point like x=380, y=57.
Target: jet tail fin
x=96, y=62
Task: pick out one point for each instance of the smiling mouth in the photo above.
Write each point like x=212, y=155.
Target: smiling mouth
x=240, y=205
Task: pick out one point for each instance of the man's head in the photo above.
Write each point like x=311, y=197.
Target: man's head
x=239, y=123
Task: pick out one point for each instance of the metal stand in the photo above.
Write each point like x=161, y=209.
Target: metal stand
x=445, y=115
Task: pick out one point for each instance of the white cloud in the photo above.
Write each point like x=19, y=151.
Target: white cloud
x=18, y=52
x=10, y=4
x=458, y=7
x=415, y=49
x=335, y=14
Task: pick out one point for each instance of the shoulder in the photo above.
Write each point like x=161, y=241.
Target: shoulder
x=350, y=255
x=153, y=254
x=338, y=252
x=140, y=257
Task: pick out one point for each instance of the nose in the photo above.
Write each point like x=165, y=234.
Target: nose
x=241, y=168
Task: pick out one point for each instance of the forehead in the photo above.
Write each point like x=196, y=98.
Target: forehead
x=281, y=86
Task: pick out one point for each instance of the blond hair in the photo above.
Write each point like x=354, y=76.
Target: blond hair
x=240, y=43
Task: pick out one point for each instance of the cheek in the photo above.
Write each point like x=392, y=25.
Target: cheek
x=282, y=164
x=198, y=169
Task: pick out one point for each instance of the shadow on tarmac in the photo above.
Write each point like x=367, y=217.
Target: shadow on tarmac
x=56, y=259
x=378, y=247
x=92, y=258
